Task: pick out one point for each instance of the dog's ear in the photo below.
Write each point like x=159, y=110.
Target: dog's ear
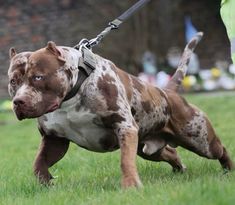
x=12, y=52
x=51, y=46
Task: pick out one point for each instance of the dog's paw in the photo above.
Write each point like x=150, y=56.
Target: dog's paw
x=131, y=182
x=182, y=168
x=45, y=178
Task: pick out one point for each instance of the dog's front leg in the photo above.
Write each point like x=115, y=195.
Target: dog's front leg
x=128, y=138
x=51, y=150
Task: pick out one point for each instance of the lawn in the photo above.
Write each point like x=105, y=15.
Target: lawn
x=85, y=177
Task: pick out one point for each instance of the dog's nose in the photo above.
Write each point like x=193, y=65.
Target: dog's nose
x=19, y=102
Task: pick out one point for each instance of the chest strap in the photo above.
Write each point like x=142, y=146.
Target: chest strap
x=86, y=65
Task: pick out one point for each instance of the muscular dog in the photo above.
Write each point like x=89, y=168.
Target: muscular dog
x=111, y=110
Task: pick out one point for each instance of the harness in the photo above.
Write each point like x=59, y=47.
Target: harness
x=87, y=63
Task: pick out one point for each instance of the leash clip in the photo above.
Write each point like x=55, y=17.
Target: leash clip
x=84, y=42
x=115, y=24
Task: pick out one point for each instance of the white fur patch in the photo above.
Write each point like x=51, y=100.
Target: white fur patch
x=81, y=127
x=153, y=145
x=22, y=90
x=37, y=97
x=25, y=90
x=72, y=58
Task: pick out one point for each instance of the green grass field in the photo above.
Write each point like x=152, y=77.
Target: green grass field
x=91, y=178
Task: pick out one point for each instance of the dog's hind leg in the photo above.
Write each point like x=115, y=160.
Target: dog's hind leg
x=167, y=154
x=217, y=150
x=201, y=139
x=225, y=160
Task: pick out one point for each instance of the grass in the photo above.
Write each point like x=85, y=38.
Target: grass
x=91, y=178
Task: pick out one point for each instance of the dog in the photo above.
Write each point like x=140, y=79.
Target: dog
x=112, y=109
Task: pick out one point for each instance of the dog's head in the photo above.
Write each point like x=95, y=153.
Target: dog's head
x=36, y=83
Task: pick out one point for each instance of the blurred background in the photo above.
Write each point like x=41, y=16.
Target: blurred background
x=148, y=45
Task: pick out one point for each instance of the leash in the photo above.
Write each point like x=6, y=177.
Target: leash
x=87, y=63
x=112, y=25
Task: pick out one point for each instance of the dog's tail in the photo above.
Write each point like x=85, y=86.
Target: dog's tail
x=181, y=71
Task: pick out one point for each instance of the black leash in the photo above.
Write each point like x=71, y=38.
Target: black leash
x=87, y=63
x=112, y=25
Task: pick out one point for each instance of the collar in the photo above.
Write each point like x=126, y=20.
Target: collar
x=86, y=65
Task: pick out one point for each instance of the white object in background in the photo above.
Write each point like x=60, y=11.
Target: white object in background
x=173, y=57
x=149, y=63
x=162, y=79
x=226, y=82
x=194, y=65
x=210, y=85
x=205, y=74
x=232, y=69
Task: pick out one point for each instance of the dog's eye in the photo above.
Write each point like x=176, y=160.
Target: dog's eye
x=13, y=82
x=37, y=77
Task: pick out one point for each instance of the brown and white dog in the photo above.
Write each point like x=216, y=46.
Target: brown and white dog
x=111, y=110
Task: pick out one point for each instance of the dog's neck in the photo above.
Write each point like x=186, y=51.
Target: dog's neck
x=71, y=56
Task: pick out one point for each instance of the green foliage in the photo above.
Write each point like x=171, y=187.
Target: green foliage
x=91, y=178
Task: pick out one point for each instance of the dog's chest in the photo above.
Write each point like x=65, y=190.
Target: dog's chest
x=81, y=127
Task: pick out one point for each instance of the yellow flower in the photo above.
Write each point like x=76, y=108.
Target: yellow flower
x=215, y=72
x=189, y=81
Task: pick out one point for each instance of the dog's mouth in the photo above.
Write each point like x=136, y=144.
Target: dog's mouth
x=29, y=112
x=23, y=113
x=20, y=115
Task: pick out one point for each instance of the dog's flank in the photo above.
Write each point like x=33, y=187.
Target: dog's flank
x=181, y=71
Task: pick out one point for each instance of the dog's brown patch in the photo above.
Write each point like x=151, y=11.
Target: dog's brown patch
x=109, y=121
x=109, y=91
